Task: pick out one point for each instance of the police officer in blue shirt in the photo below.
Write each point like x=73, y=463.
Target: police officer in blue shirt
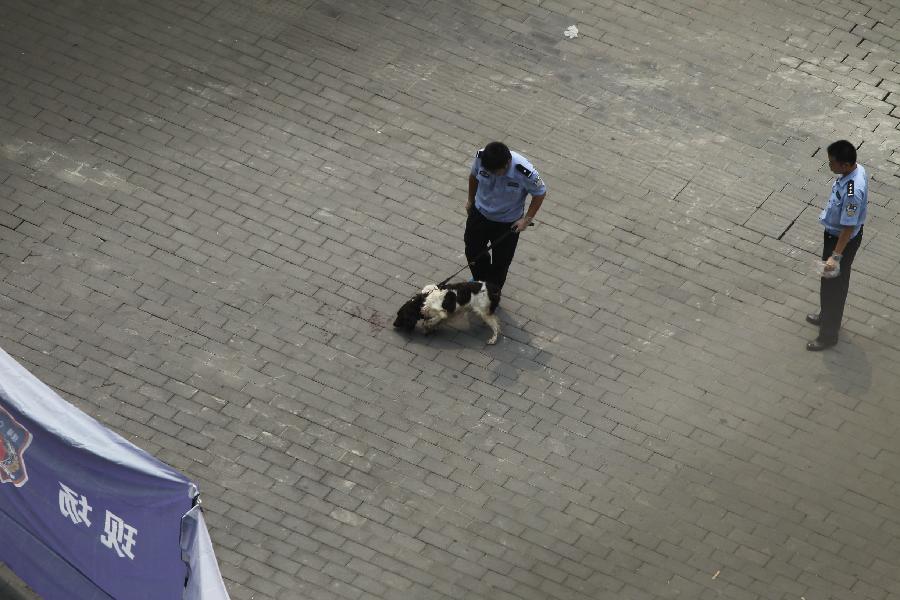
x=499, y=182
x=843, y=220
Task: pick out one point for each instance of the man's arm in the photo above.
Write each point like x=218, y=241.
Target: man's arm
x=535, y=206
x=473, y=187
x=843, y=239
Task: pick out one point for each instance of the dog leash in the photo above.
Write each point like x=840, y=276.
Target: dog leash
x=480, y=254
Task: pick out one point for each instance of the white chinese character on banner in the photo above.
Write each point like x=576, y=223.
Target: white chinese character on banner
x=73, y=507
x=119, y=535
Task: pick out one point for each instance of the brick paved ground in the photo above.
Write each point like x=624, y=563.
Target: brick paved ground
x=211, y=210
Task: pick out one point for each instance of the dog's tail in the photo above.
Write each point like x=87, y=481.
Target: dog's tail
x=493, y=293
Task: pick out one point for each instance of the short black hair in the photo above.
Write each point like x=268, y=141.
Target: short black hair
x=843, y=152
x=495, y=156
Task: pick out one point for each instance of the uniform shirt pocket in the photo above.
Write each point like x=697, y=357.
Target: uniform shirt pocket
x=513, y=190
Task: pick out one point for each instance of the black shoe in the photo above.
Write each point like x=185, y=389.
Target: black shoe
x=818, y=345
x=814, y=318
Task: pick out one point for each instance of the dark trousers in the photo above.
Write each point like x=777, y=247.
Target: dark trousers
x=833, y=293
x=491, y=266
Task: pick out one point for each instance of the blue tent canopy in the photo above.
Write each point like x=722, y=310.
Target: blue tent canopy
x=86, y=514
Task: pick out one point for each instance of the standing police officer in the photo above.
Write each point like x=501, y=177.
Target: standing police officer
x=843, y=220
x=498, y=184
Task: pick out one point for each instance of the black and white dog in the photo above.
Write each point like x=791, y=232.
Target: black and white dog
x=435, y=304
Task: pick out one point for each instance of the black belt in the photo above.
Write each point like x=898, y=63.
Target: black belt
x=829, y=234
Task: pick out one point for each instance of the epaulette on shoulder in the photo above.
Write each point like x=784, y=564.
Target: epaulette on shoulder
x=521, y=169
x=478, y=154
x=850, y=188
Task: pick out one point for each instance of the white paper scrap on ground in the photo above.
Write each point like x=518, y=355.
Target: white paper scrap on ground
x=571, y=32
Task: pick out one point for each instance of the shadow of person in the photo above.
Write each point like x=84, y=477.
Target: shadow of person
x=848, y=369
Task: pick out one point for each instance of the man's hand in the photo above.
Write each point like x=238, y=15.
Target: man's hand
x=521, y=225
x=831, y=264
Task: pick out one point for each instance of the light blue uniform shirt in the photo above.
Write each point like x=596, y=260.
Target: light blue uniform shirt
x=848, y=204
x=502, y=197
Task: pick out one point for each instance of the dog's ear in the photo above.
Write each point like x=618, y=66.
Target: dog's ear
x=449, y=303
x=410, y=313
x=419, y=301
